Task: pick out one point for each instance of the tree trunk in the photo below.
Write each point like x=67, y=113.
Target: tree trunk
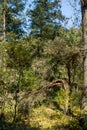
x=15, y=107
x=4, y=20
x=68, y=73
x=84, y=26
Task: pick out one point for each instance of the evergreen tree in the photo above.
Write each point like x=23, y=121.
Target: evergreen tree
x=11, y=21
x=45, y=18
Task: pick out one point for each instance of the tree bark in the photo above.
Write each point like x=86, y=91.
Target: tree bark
x=69, y=73
x=4, y=20
x=84, y=27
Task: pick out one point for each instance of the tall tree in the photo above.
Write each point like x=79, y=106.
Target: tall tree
x=11, y=20
x=45, y=18
x=84, y=25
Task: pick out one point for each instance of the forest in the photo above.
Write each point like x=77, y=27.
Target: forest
x=43, y=66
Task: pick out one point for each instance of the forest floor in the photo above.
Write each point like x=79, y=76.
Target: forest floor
x=44, y=118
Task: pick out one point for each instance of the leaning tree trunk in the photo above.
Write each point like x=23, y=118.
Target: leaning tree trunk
x=84, y=26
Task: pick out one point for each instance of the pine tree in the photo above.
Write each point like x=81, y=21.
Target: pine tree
x=11, y=21
x=45, y=18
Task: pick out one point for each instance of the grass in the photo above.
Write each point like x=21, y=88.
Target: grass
x=47, y=118
x=44, y=118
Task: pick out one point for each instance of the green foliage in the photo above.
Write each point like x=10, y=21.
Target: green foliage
x=74, y=124
x=29, y=65
x=13, y=20
x=63, y=56
x=60, y=99
x=85, y=124
x=29, y=80
x=45, y=18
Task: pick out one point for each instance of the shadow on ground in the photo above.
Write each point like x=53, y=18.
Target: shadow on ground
x=14, y=126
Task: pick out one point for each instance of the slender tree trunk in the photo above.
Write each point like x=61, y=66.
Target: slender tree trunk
x=2, y=58
x=68, y=73
x=67, y=93
x=16, y=96
x=84, y=26
x=4, y=20
x=15, y=107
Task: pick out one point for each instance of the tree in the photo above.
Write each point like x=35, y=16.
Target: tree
x=20, y=57
x=84, y=26
x=11, y=21
x=64, y=51
x=45, y=18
